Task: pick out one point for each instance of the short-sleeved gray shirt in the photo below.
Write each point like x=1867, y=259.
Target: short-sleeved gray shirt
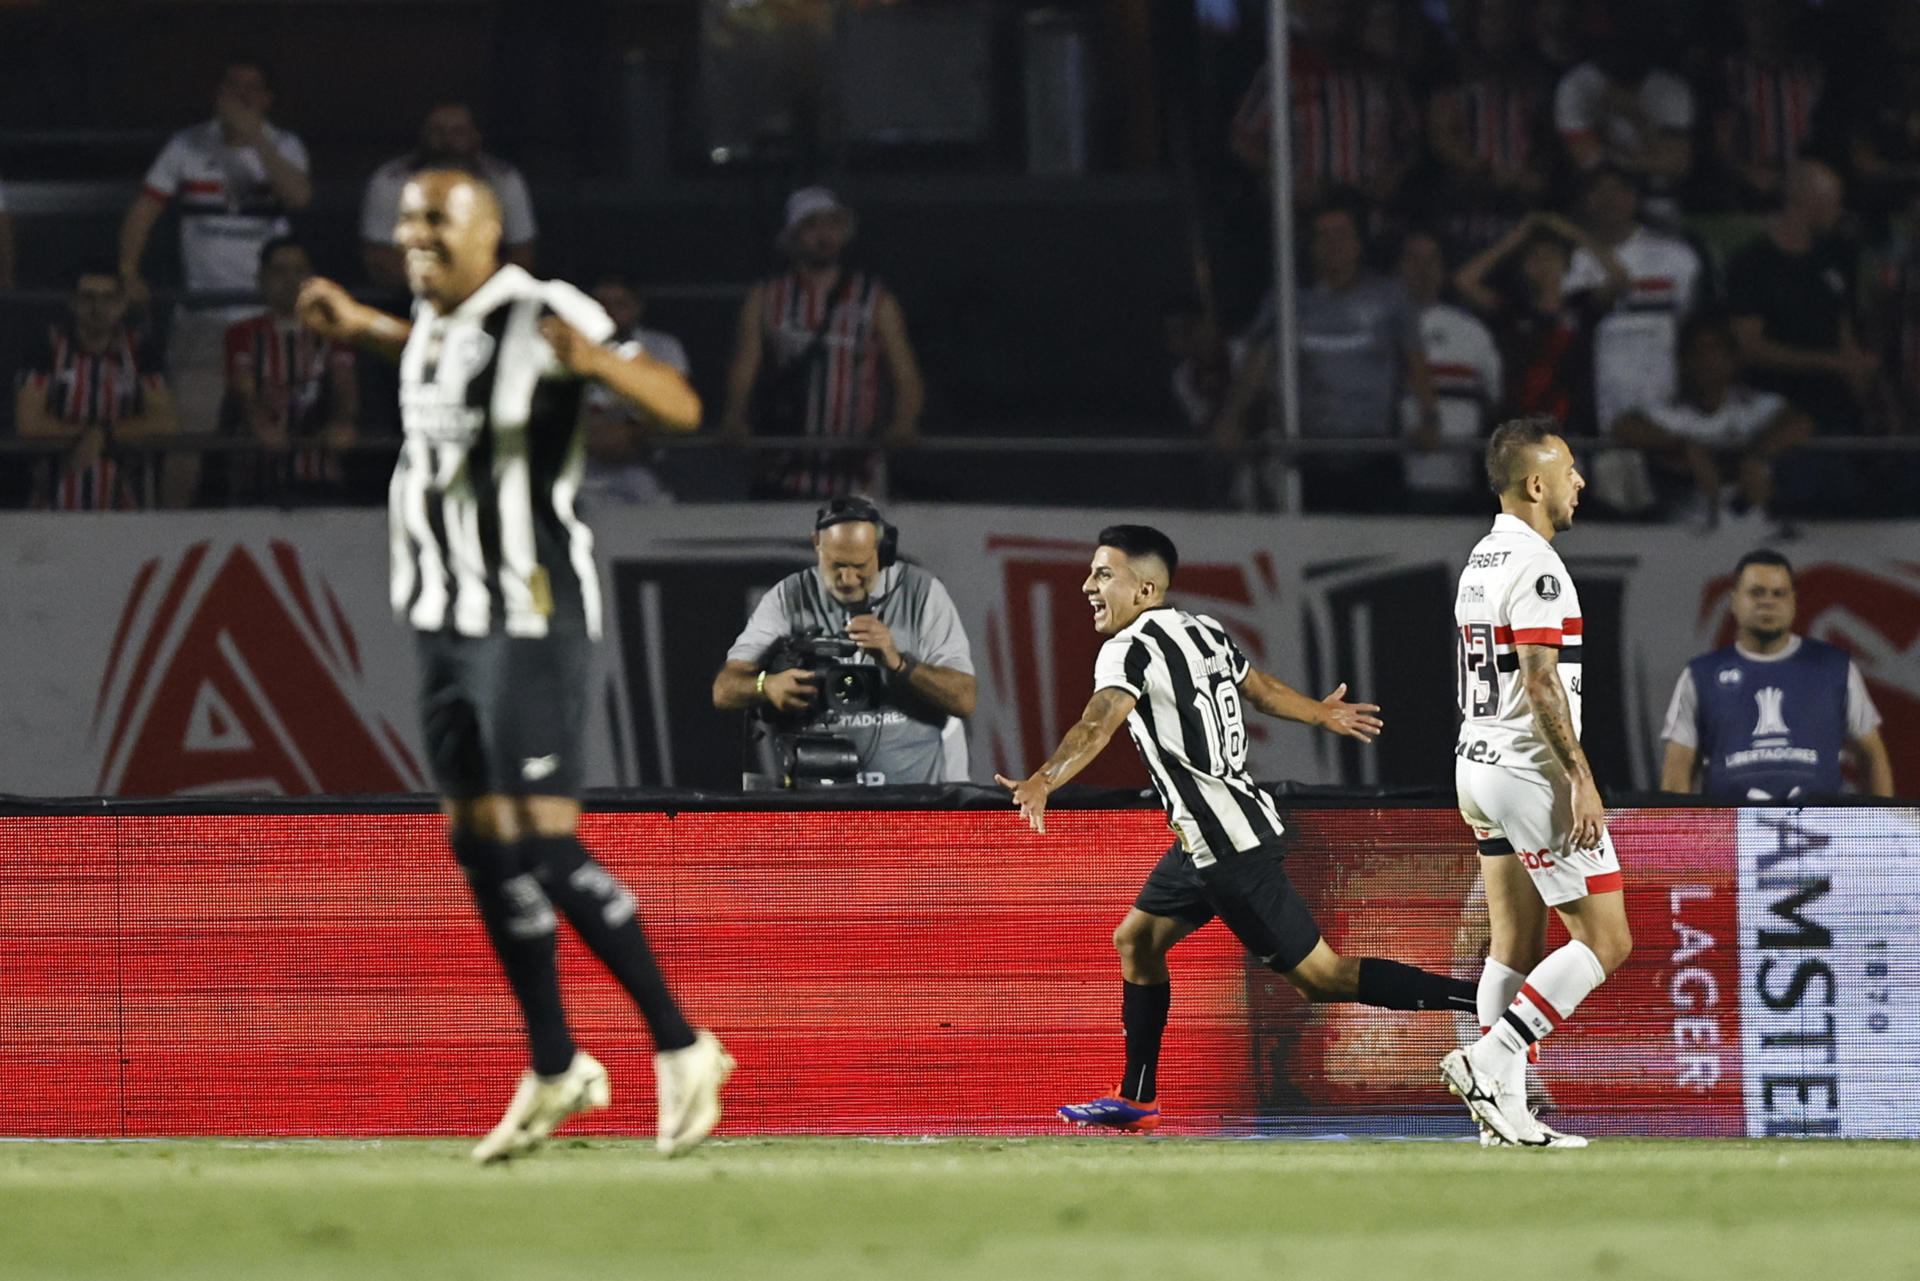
x=904, y=741
x=1353, y=351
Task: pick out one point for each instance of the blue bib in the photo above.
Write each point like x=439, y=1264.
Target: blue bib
x=1771, y=730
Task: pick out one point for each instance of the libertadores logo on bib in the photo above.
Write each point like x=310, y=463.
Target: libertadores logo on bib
x=1872, y=613
x=227, y=678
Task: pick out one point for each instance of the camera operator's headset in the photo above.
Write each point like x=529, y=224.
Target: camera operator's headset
x=845, y=511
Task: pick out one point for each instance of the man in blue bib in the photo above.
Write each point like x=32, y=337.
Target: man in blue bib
x=1767, y=717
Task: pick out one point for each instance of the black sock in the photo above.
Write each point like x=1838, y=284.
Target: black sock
x=519, y=922
x=1143, y=1012
x=1393, y=986
x=601, y=910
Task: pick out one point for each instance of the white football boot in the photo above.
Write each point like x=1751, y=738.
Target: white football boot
x=688, y=1082
x=1527, y=1086
x=542, y=1103
x=1490, y=1098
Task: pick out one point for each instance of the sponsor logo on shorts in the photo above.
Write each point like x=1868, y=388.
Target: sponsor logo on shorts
x=535, y=768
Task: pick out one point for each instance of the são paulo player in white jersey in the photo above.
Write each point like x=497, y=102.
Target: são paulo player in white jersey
x=1524, y=784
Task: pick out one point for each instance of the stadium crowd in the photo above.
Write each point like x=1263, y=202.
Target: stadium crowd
x=1686, y=229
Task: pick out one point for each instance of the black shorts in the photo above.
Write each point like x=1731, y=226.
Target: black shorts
x=1249, y=892
x=504, y=715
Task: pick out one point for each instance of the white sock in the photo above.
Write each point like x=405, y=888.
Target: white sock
x=1549, y=996
x=1499, y=984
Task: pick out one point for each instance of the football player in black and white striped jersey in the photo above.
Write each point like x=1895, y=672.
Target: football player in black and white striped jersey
x=494, y=570
x=1179, y=683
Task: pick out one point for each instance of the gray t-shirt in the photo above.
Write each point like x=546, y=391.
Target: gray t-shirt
x=904, y=740
x=1353, y=351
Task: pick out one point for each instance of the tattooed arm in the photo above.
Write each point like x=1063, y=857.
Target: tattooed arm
x=1106, y=711
x=1553, y=721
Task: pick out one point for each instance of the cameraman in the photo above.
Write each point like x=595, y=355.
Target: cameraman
x=903, y=622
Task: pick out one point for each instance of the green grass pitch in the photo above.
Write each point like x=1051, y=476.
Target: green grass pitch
x=1099, y=1207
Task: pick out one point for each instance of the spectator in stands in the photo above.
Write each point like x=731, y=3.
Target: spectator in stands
x=1717, y=434
x=1871, y=110
x=1791, y=295
x=6, y=243
x=449, y=139
x=1764, y=96
x=93, y=388
x=621, y=465
x=1619, y=109
x=290, y=390
x=1465, y=367
x=1202, y=360
x=1544, y=329
x=1791, y=292
x=1894, y=305
x=236, y=177
x=1487, y=127
x=821, y=350
x=1771, y=716
x=1354, y=122
x=1550, y=36
x=1636, y=353
x=1359, y=353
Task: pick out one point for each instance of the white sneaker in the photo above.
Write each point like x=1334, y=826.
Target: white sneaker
x=541, y=1103
x=1489, y=1098
x=688, y=1082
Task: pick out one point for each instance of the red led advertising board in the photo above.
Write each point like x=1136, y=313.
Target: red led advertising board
x=910, y=972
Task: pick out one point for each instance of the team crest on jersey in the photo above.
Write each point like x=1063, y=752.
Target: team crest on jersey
x=1729, y=676
x=468, y=351
x=1547, y=587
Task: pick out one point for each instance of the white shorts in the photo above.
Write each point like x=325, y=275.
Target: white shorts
x=1530, y=815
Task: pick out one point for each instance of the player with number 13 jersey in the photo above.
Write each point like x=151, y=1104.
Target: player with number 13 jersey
x=1524, y=784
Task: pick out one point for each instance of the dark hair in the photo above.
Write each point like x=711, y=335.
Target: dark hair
x=1708, y=320
x=275, y=245
x=1609, y=169
x=1142, y=540
x=1545, y=236
x=622, y=279
x=1763, y=556
x=1343, y=200
x=1508, y=444
x=247, y=58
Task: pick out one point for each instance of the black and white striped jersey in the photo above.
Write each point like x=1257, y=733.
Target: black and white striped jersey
x=482, y=528
x=1185, y=673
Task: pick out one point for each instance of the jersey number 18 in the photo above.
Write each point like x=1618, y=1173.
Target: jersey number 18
x=1225, y=724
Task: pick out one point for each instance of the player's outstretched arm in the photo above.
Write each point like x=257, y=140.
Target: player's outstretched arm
x=1332, y=713
x=1553, y=719
x=330, y=310
x=1106, y=712
x=655, y=389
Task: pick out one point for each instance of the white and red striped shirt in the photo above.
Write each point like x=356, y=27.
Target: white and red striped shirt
x=1514, y=591
x=1464, y=363
x=89, y=389
x=846, y=393
x=291, y=370
x=1348, y=122
x=228, y=209
x=1502, y=118
x=1772, y=105
x=1636, y=358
